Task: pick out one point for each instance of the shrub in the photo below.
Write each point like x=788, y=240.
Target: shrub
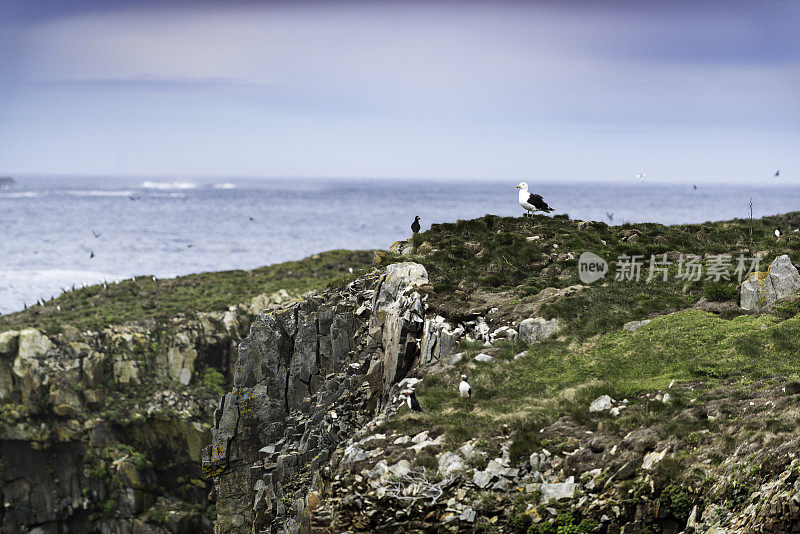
x=215, y=381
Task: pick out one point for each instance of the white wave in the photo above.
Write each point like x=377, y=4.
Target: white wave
x=226, y=185
x=21, y=194
x=101, y=193
x=169, y=185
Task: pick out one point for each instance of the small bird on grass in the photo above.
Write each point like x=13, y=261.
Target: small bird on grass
x=464, y=388
x=415, y=225
x=412, y=402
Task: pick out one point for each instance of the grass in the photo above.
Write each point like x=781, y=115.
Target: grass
x=688, y=345
x=520, y=257
x=146, y=300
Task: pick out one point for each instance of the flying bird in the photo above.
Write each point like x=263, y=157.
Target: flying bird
x=91, y=254
x=531, y=202
x=252, y=220
x=134, y=198
x=641, y=176
x=777, y=173
x=95, y=234
x=464, y=389
x=694, y=186
x=610, y=216
x=415, y=225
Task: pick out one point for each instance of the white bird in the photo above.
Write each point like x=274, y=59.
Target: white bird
x=531, y=202
x=464, y=389
x=641, y=176
x=778, y=231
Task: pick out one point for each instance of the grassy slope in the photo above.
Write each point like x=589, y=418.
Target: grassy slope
x=146, y=300
x=593, y=355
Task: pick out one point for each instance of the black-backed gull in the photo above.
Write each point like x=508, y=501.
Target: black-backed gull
x=531, y=202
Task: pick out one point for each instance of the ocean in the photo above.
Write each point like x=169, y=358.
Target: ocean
x=56, y=232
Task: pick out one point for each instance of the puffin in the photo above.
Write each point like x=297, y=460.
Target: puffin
x=464, y=389
x=415, y=225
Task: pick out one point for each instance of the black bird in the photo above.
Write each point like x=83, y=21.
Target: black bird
x=95, y=234
x=412, y=402
x=91, y=254
x=415, y=225
x=189, y=245
x=695, y=186
x=134, y=198
x=252, y=220
x=777, y=173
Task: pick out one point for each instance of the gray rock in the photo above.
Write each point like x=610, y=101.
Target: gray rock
x=537, y=329
x=601, y=403
x=482, y=357
x=482, y=478
x=558, y=490
x=633, y=325
x=449, y=463
x=468, y=515
x=762, y=289
x=8, y=343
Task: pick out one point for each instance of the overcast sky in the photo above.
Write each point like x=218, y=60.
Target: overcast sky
x=548, y=90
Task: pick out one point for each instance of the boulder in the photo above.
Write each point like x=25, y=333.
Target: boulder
x=33, y=344
x=482, y=357
x=601, y=403
x=537, y=329
x=763, y=288
x=9, y=343
x=126, y=371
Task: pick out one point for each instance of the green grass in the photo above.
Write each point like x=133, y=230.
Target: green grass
x=689, y=345
x=492, y=254
x=145, y=300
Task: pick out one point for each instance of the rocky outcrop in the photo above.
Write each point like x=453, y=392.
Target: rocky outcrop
x=102, y=431
x=310, y=375
x=763, y=288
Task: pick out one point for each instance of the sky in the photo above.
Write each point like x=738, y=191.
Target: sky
x=549, y=90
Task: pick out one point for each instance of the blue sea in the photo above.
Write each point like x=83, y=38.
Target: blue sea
x=56, y=232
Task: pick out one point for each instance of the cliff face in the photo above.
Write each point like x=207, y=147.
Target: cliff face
x=102, y=431
x=309, y=376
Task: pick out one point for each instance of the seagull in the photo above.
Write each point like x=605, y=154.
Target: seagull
x=778, y=231
x=415, y=225
x=95, y=234
x=412, y=402
x=777, y=173
x=464, y=389
x=531, y=202
x=641, y=176
x=610, y=216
